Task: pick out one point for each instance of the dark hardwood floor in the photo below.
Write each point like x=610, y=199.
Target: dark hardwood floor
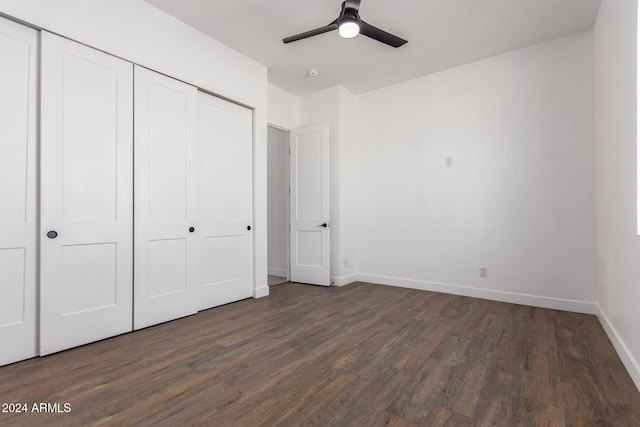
x=362, y=355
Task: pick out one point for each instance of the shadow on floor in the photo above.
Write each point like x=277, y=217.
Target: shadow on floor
x=276, y=280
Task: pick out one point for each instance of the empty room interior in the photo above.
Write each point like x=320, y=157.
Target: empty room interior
x=336, y=213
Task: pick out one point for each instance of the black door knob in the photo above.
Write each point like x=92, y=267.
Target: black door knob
x=249, y=227
x=52, y=234
x=325, y=225
x=191, y=229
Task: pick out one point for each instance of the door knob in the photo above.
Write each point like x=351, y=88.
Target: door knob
x=324, y=225
x=248, y=227
x=191, y=229
x=52, y=234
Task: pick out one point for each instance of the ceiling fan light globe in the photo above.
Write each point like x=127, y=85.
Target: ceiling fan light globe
x=348, y=29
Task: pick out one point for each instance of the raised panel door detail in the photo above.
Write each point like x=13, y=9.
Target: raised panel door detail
x=225, y=134
x=308, y=176
x=90, y=140
x=232, y=249
x=15, y=79
x=309, y=252
x=167, y=267
x=86, y=195
x=13, y=288
x=18, y=191
x=89, y=277
x=167, y=155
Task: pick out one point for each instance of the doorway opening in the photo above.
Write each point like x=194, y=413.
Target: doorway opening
x=278, y=205
x=298, y=205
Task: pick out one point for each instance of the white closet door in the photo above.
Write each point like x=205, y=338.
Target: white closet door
x=166, y=261
x=18, y=228
x=226, y=240
x=86, y=195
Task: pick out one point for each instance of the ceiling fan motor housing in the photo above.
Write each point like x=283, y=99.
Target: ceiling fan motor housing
x=349, y=15
x=349, y=24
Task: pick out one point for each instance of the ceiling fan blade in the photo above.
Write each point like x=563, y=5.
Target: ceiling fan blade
x=381, y=35
x=311, y=33
x=352, y=4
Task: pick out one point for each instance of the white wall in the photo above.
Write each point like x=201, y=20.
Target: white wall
x=283, y=108
x=336, y=106
x=278, y=201
x=519, y=198
x=348, y=208
x=618, y=262
x=138, y=32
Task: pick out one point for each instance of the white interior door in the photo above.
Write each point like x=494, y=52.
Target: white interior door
x=310, y=221
x=86, y=195
x=166, y=261
x=18, y=227
x=225, y=138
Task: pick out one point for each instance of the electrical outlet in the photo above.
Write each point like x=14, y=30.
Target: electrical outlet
x=483, y=271
x=448, y=161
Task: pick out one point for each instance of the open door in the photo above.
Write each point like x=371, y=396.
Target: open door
x=310, y=210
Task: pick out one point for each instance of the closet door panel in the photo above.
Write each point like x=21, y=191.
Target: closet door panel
x=166, y=261
x=18, y=186
x=87, y=195
x=225, y=138
x=89, y=156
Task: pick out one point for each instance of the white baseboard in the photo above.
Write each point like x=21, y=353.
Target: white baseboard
x=494, y=295
x=343, y=280
x=261, y=292
x=629, y=362
x=280, y=272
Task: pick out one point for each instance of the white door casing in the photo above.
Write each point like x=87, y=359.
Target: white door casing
x=310, y=210
x=18, y=191
x=167, y=270
x=225, y=139
x=86, y=195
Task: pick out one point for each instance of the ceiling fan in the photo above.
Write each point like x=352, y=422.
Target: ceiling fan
x=349, y=24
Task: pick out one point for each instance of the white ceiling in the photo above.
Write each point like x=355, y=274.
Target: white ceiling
x=441, y=33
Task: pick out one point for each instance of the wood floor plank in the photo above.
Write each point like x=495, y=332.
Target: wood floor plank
x=292, y=400
x=499, y=400
x=531, y=413
x=445, y=417
x=432, y=378
x=584, y=399
x=469, y=376
x=541, y=384
x=359, y=355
